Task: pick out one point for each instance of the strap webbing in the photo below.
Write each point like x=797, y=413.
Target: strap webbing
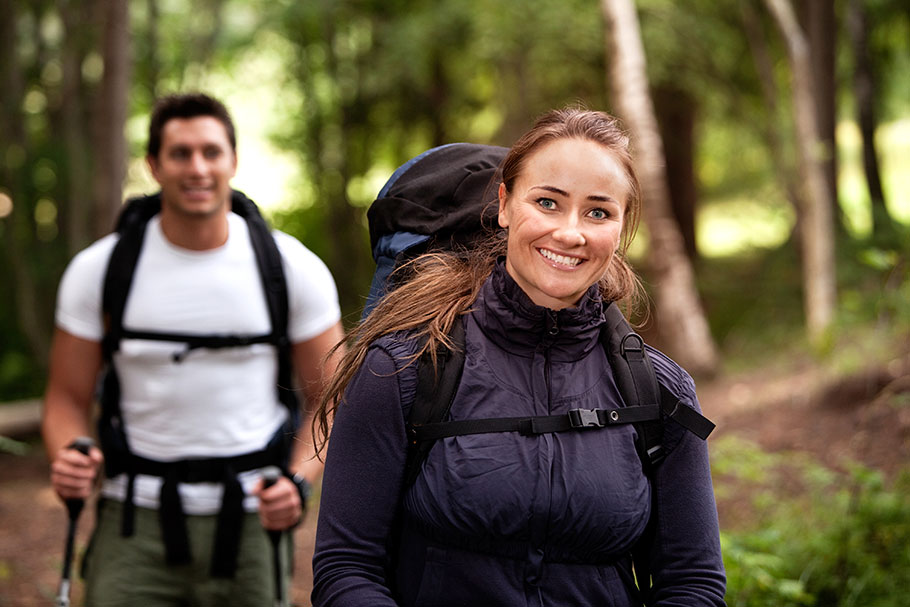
x=436, y=387
x=687, y=417
x=576, y=419
x=194, y=342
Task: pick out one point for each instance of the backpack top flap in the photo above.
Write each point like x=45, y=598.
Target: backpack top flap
x=442, y=193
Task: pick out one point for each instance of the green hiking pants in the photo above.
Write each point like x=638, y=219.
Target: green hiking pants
x=122, y=571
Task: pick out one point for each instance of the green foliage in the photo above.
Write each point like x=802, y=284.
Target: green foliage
x=813, y=536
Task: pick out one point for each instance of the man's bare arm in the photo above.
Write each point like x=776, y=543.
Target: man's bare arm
x=74, y=367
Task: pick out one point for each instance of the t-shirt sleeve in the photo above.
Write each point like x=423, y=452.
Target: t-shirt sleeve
x=313, y=297
x=79, y=294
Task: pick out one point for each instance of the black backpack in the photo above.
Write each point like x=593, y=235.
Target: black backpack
x=441, y=199
x=131, y=225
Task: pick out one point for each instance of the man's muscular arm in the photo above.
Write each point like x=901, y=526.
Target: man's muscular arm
x=74, y=367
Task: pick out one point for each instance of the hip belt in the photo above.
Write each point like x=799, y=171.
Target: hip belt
x=171, y=514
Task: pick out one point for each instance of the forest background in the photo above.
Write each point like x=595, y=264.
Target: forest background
x=773, y=141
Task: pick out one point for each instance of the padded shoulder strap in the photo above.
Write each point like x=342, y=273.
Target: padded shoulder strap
x=121, y=265
x=638, y=385
x=274, y=284
x=436, y=387
x=635, y=378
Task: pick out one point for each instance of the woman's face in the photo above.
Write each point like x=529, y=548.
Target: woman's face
x=565, y=218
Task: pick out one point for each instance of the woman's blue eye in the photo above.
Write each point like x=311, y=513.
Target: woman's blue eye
x=599, y=214
x=547, y=203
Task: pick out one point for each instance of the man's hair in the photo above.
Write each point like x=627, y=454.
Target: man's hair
x=187, y=105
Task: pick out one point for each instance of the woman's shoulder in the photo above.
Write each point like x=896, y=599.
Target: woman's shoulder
x=673, y=377
x=400, y=346
x=395, y=355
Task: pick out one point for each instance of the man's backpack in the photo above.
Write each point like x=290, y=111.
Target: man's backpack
x=444, y=198
x=131, y=225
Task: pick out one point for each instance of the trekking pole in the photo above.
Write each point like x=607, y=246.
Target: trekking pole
x=74, y=507
x=270, y=476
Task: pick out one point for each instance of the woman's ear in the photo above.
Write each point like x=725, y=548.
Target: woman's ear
x=503, y=196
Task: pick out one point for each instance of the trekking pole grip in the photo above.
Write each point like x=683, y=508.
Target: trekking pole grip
x=83, y=445
x=270, y=476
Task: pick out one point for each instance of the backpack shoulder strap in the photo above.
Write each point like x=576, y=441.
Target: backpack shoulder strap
x=274, y=284
x=121, y=265
x=639, y=385
x=635, y=378
x=436, y=387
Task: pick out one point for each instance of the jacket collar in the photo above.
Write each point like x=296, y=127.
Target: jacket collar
x=508, y=317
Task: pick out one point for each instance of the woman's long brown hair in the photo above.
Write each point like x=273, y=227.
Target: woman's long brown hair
x=432, y=291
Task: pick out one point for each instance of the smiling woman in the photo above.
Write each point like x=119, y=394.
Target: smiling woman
x=545, y=513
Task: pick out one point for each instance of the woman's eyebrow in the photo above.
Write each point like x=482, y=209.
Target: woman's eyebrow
x=550, y=188
x=561, y=192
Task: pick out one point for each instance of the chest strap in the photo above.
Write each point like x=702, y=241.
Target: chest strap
x=575, y=419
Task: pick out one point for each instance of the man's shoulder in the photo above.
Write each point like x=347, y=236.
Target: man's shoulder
x=301, y=262
x=97, y=253
x=291, y=248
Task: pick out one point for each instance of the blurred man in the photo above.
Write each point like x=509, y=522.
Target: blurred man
x=197, y=397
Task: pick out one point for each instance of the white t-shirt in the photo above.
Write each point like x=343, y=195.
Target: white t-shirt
x=213, y=403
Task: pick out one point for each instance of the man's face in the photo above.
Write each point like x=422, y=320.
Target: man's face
x=194, y=166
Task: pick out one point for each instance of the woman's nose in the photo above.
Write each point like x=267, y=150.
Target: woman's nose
x=568, y=232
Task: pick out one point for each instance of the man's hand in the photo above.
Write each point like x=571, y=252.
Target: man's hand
x=280, y=507
x=73, y=474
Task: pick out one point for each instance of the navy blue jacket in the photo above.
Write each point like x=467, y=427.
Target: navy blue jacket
x=506, y=519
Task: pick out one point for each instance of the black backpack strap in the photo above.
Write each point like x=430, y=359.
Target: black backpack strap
x=436, y=387
x=637, y=382
x=121, y=266
x=274, y=284
x=635, y=379
x=576, y=419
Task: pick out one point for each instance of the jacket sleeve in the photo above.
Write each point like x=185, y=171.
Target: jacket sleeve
x=684, y=553
x=361, y=489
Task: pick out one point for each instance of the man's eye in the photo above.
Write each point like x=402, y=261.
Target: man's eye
x=546, y=203
x=212, y=152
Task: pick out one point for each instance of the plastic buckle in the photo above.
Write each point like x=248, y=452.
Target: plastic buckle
x=584, y=418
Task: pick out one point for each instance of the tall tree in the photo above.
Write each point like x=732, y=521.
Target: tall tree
x=17, y=228
x=864, y=95
x=680, y=317
x=772, y=130
x=821, y=33
x=676, y=112
x=109, y=139
x=817, y=226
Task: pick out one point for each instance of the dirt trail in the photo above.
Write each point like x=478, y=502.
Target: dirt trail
x=855, y=417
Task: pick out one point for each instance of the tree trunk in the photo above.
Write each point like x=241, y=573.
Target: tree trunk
x=676, y=110
x=153, y=59
x=110, y=115
x=680, y=318
x=772, y=134
x=77, y=213
x=817, y=238
x=821, y=27
x=17, y=229
x=864, y=93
